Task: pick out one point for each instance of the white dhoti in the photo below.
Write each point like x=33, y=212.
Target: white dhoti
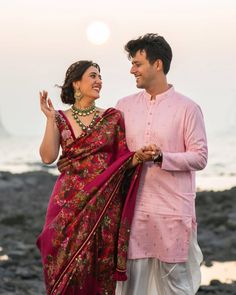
x=149, y=276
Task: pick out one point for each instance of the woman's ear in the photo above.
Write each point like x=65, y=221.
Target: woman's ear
x=76, y=85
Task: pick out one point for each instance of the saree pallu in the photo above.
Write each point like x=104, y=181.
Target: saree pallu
x=84, y=241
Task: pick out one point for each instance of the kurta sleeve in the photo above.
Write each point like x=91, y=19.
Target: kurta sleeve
x=195, y=155
x=119, y=106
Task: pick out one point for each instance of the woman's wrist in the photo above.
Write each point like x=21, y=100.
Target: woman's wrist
x=51, y=119
x=137, y=159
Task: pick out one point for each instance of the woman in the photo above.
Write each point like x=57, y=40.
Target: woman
x=85, y=237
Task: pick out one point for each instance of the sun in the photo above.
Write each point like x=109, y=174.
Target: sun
x=98, y=33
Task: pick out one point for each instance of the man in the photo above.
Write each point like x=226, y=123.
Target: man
x=163, y=240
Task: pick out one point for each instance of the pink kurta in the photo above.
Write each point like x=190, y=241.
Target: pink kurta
x=165, y=209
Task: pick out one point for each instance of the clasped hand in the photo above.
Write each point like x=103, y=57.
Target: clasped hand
x=147, y=153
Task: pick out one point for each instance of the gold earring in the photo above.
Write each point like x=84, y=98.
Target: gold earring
x=78, y=95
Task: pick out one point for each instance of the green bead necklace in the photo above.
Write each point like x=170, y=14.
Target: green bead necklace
x=85, y=112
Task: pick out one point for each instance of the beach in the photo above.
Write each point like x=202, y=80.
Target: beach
x=23, y=202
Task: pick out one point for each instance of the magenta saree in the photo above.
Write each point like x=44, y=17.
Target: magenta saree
x=84, y=241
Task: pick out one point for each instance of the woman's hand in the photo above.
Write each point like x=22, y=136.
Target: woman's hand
x=50, y=145
x=139, y=157
x=46, y=105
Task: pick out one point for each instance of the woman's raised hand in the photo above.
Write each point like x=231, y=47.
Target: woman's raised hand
x=46, y=105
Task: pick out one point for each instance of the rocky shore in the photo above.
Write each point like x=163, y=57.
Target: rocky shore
x=23, y=202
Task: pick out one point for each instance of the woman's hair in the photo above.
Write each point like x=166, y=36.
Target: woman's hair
x=74, y=73
x=155, y=47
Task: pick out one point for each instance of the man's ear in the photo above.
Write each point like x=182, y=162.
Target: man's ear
x=159, y=65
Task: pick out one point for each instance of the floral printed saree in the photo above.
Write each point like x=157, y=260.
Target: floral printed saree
x=84, y=241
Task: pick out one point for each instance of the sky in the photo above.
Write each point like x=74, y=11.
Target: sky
x=40, y=39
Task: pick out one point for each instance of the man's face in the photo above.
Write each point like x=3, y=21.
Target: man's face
x=144, y=72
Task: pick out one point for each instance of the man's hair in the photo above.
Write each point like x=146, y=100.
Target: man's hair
x=155, y=47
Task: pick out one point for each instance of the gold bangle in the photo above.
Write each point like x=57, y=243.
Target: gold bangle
x=137, y=158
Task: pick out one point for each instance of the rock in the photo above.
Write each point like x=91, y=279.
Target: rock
x=220, y=229
x=14, y=220
x=231, y=224
x=23, y=202
x=215, y=283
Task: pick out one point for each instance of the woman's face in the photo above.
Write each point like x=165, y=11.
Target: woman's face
x=90, y=84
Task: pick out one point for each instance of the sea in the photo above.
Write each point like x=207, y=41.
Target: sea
x=20, y=154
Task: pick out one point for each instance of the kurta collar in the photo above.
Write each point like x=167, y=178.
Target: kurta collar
x=160, y=96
